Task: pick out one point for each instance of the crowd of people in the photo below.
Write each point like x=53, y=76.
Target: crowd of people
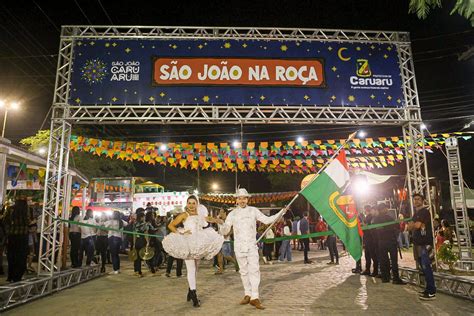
x=103, y=238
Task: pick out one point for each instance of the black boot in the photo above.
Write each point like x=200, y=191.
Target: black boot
x=196, y=302
x=188, y=298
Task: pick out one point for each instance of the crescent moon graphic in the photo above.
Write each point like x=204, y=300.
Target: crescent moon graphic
x=339, y=54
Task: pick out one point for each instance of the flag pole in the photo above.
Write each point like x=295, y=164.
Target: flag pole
x=351, y=136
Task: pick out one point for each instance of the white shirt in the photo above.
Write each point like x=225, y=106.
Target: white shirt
x=113, y=223
x=298, y=231
x=286, y=231
x=87, y=231
x=244, y=222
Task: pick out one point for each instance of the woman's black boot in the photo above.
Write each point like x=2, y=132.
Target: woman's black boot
x=188, y=298
x=196, y=302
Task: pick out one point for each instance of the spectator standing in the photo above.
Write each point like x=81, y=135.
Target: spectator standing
x=88, y=235
x=304, y=228
x=285, y=248
x=387, y=242
x=115, y=239
x=75, y=237
x=421, y=226
x=16, y=221
x=370, y=244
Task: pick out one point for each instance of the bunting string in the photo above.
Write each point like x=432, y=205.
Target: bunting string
x=278, y=156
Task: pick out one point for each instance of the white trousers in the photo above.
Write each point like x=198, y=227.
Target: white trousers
x=249, y=272
x=191, y=268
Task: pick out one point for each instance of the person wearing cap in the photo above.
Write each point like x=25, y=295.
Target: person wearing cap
x=243, y=220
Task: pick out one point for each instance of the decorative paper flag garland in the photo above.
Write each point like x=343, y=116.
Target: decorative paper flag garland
x=288, y=157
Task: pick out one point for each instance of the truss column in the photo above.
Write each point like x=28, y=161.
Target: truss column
x=55, y=197
x=458, y=202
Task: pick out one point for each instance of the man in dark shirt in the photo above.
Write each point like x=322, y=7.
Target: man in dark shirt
x=423, y=241
x=304, y=228
x=387, y=242
x=370, y=243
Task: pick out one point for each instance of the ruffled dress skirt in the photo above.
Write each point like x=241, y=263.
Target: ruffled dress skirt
x=204, y=243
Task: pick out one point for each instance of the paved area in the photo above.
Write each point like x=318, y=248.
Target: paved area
x=286, y=288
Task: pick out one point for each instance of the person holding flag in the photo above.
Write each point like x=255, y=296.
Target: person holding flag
x=243, y=219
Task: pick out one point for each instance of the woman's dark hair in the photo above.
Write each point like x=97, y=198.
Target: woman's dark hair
x=74, y=212
x=89, y=214
x=140, y=216
x=139, y=210
x=118, y=217
x=192, y=197
x=149, y=218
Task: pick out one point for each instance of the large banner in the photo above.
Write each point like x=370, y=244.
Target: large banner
x=236, y=72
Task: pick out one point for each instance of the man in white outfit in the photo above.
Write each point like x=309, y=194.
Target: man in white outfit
x=243, y=219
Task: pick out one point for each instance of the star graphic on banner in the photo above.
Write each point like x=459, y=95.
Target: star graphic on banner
x=80, y=54
x=306, y=97
x=329, y=48
x=372, y=46
x=125, y=90
x=334, y=68
x=298, y=44
x=244, y=45
x=227, y=45
x=262, y=97
x=357, y=48
x=114, y=99
x=153, y=47
x=151, y=99
x=78, y=100
x=389, y=98
x=127, y=50
x=205, y=98
x=351, y=98
x=385, y=56
x=200, y=46
x=162, y=94
x=265, y=47
x=174, y=46
x=114, y=44
x=389, y=48
x=107, y=44
x=100, y=99
x=372, y=96
x=399, y=101
x=92, y=43
x=333, y=97
x=284, y=48
x=79, y=43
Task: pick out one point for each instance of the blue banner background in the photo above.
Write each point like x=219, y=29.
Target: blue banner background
x=92, y=61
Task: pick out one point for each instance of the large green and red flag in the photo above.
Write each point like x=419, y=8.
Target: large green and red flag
x=326, y=195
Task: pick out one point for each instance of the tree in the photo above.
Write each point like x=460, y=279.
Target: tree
x=422, y=8
x=89, y=165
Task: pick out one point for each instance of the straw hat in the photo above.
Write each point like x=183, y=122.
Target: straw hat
x=242, y=193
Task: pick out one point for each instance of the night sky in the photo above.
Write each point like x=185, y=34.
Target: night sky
x=29, y=41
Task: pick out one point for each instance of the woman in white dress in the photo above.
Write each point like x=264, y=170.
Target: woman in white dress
x=192, y=242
